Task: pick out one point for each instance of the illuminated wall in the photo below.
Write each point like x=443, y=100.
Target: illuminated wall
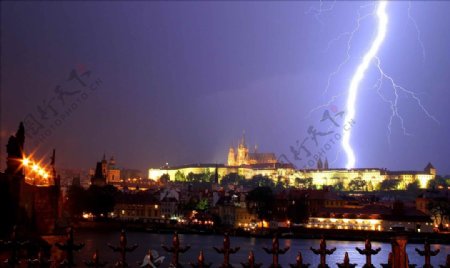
x=345, y=224
x=113, y=176
x=320, y=178
x=368, y=224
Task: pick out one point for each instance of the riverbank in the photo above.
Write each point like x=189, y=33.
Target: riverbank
x=295, y=232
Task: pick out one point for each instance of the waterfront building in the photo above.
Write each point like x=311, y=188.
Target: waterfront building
x=141, y=206
x=371, y=218
x=233, y=212
x=436, y=204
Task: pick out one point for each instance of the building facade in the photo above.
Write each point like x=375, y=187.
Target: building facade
x=105, y=172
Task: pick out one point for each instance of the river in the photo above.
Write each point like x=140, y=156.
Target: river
x=99, y=240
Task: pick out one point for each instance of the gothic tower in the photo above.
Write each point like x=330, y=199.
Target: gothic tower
x=112, y=161
x=242, y=153
x=325, y=165
x=231, y=157
x=319, y=164
x=430, y=169
x=104, y=166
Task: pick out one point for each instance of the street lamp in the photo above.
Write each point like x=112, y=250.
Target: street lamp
x=25, y=162
x=35, y=167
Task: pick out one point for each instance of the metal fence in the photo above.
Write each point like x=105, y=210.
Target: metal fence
x=398, y=258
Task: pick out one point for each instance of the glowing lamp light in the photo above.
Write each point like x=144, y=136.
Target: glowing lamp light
x=41, y=171
x=25, y=162
x=35, y=167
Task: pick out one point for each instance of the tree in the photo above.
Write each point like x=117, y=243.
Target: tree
x=370, y=186
x=232, y=178
x=164, y=178
x=413, y=186
x=201, y=177
x=190, y=177
x=179, y=176
x=261, y=202
x=357, y=185
x=202, y=205
x=282, y=183
x=389, y=184
x=339, y=186
x=207, y=176
x=261, y=181
x=438, y=182
x=439, y=209
x=304, y=183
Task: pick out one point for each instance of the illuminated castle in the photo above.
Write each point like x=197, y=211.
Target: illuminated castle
x=242, y=157
x=247, y=165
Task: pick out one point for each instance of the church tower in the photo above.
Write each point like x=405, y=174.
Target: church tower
x=104, y=166
x=319, y=164
x=325, y=165
x=231, y=157
x=112, y=162
x=242, y=153
x=14, y=150
x=430, y=169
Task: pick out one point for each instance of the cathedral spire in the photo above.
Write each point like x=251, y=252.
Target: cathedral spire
x=243, y=139
x=52, y=163
x=14, y=150
x=319, y=164
x=20, y=136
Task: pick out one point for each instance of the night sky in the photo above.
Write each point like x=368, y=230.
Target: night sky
x=179, y=82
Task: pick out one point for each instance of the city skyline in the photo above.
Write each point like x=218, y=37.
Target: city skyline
x=179, y=83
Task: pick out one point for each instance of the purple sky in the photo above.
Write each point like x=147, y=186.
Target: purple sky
x=180, y=81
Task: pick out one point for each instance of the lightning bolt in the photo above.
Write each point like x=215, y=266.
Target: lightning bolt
x=379, y=12
x=419, y=38
x=349, y=35
x=394, y=103
x=358, y=77
x=319, y=11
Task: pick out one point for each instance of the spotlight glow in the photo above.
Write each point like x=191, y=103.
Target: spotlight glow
x=357, y=78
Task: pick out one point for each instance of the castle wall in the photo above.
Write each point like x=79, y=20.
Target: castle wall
x=320, y=178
